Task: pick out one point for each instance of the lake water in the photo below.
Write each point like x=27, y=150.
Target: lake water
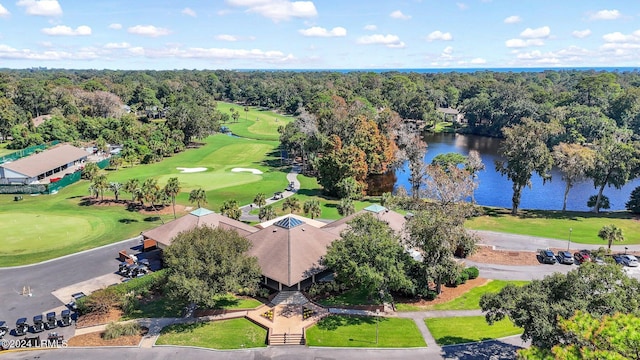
x=495, y=190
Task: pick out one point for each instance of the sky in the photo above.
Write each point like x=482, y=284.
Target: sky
x=320, y=34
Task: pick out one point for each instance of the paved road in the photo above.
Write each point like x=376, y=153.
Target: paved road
x=503, y=241
x=292, y=177
x=44, y=278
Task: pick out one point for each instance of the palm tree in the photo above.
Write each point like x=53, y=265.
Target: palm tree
x=172, y=189
x=611, y=233
x=260, y=200
x=198, y=196
x=346, y=208
x=267, y=213
x=132, y=186
x=115, y=187
x=150, y=190
x=101, y=184
x=246, y=113
x=230, y=209
x=292, y=204
x=312, y=207
x=93, y=191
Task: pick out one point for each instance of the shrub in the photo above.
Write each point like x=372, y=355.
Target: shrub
x=633, y=204
x=472, y=272
x=430, y=295
x=115, y=330
x=101, y=301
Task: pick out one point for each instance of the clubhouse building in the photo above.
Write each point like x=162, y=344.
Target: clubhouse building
x=40, y=167
x=288, y=248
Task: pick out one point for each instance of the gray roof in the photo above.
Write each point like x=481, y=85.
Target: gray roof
x=34, y=165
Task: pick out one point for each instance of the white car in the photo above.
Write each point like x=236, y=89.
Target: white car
x=629, y=260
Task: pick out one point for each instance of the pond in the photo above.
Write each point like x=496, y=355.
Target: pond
x=496, y=190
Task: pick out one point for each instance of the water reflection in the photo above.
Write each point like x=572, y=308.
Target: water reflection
x=496, y=190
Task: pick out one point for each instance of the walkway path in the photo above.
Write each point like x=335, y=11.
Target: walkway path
x=292, y=177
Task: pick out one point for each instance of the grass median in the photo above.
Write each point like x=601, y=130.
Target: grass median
x=360, y=331
x=222, y=335
x=460, y=330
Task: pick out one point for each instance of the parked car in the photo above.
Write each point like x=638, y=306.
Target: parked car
x=564, y=257
x=547, y=256
x=629, y=260
x=582, y=256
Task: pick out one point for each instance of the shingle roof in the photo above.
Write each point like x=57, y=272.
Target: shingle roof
x=34, y=165
x=290, y=255
x=164, y=234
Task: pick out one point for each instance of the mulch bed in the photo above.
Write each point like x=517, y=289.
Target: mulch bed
x=448, y=293
x=486, y=255
x=95, y=339
x=99, y=319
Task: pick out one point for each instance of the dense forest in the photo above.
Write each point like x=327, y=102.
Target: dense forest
x=348, y=125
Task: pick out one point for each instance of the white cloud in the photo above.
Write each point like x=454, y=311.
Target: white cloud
x=580, y=34
x=606, y=15
x=189, y=12
x=478, y=61
x=8, y=52
x=278, y=10
x=521, y=43
x=317, y=31
x=226, y=37
x=122, y=45
x=390, y=41
x=148, y=30
x=618, y=37
x=3, y=11
x=62, y=30
x=539, y=33
x=370, y=27
x=439, y=35
x=570, y=56
x=41, y=7
x=512, y=19
x=270, y=56
x=115, y=26
x=462, y=6
x=399, y=15
x=448, y=50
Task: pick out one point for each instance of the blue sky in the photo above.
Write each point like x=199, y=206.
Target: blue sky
x=320, y=34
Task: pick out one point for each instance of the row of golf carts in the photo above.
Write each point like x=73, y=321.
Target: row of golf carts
x=133, y=269
x=40, y=323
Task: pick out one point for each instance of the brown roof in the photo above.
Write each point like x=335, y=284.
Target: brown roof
x=164, y=234
x=449, y=111
x=37, y=121
x=34, y=165
x=290, y=255
x=393, y=219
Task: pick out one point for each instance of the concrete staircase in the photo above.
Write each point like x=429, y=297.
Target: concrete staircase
x=286, y=339
x=289, y=298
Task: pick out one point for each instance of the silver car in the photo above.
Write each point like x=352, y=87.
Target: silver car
x=629, y=260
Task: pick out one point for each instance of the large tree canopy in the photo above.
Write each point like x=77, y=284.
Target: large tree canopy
x=205, y=264
x=595, y=289
x=369, y=257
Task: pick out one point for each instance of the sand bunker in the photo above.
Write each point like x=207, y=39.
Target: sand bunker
x=191, y=170
x=253, y=171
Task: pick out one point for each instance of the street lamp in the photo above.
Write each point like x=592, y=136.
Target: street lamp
x=569, y=244
x=377, y=322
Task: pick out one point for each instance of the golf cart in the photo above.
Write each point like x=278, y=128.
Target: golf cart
x=38, y=324
x=65, y=318
x=3, y=329
x=277, y=195
x=52, y=322
x=21, y=326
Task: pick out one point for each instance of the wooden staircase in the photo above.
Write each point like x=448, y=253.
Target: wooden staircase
x=286, y=339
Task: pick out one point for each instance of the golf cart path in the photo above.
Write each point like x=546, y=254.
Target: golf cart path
x=292, y=177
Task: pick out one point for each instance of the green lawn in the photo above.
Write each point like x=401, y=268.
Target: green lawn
x=224, y=334
x=48, y=226
x=556, y=224
x=255, y=124
x=467, y=301
x=163, y=307
x=238, y=303
x=3, y=149
x=346, y=331
x=460, y=330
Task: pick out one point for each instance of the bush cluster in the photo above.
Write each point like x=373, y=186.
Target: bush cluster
x=115, y=330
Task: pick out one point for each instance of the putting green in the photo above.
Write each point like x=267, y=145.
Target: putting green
x=40, y=230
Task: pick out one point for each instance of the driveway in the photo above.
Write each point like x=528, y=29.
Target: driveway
x=47, y=277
